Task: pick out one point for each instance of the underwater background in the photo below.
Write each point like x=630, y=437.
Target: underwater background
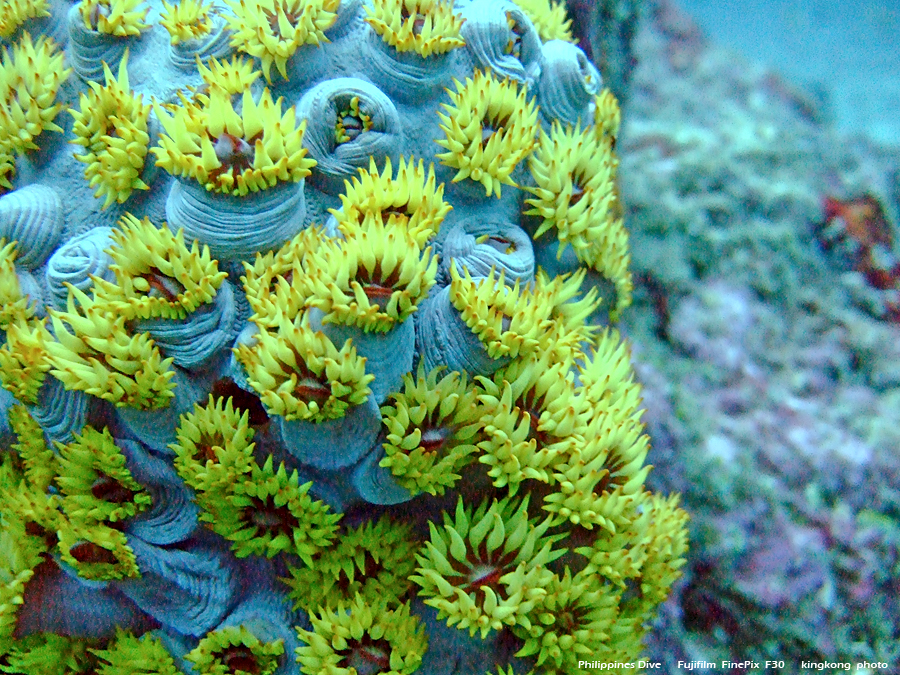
x=739, y=168
x=761, y=173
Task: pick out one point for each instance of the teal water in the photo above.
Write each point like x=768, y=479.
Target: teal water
x=845, y=50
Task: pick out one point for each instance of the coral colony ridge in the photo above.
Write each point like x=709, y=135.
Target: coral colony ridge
x=302, y=367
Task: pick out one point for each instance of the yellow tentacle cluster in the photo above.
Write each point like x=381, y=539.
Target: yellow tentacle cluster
x=273, y=283
x=228, y=151
x=431, y=427
x=269, y=512
x=411, y=199
x=272, y=30
x=114, y=17
x=95, y=353
x=489, y=126
x=486, y=568
x=97, y=485
x=574, y=174
x=213, y=445
x=97, y=552
x=574, y=618
x=509, y=321
x=532, y=418
x=576, y=194
x=187, y=20
x=39, y=463
x=373, y=560
x=220, y=649
x=424, y=26
x=13, y=13
x=549, y=18
x=598, y=479
x=111, y=126
x=235, y=76
x=23, y=359
x=19, y=555
x=300, y=374
x=30, y=77
x=157, y=275
x=392, y=640
x=607, y=116
x=14, y=306
x=127, y=653
x=374, y=278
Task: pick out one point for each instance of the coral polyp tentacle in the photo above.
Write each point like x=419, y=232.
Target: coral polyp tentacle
x=424, y=26
x=186, y=20
x=356, y=633
x=373, y=560
x=157, y=275
x=549, y=19
x=375, y=277
x=235, y=649
x=122, y=18
x=412, y=198
x=30, y=77
x=268, y=512
x=273, y=30
x=213, y=444
x=300, y=374
x=111, y=126
x=489, y=126
x=486, y=568
x=432, y=425
x=228, y=151
x=96, y=353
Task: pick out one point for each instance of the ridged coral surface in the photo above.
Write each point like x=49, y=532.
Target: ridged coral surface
x=261, y=412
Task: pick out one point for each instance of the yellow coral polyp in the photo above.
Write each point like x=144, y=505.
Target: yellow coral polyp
x=300, y=374
x=572, y=623
x=431, y=426
x=213, y=445
x=532, y=417
x=576, y=194
x=111, y=126
x=424, y=26
x=272, y=30
x=13, y=13
x=365, y=633
x=272, y=284
x=574, y=174
x=30, y=77
x=607, y=115
x=486, y=568
x=412, y=199
x=97, y=552
x=211, y=654
x=157, y=275
x=230, y=152
x=374, y=560
x=549, y=18
x=373, y=279
x=600, y=478
x=23, y=359
x=606, y=375
x=489, y=126
x=96, y=354
x=508, y=321
x=235, y=76
x=91, y=466
x=122, y=18
x=14, y=306
x=186, y=20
